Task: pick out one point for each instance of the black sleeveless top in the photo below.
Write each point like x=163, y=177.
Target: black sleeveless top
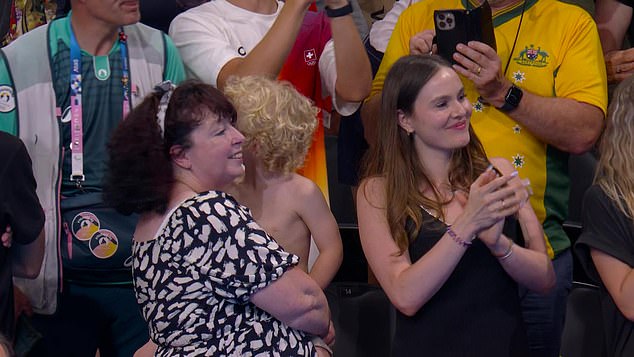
x=475, y=313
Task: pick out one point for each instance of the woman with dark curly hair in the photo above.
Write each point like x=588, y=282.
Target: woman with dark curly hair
x=432, y=220
x=208, y=279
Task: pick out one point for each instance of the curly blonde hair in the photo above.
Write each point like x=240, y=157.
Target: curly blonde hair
x=277, y=121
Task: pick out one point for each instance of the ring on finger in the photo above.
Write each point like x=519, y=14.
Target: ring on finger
x=502, y=204
x=478, y=70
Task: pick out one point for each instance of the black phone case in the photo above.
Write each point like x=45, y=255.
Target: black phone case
x=461, y=26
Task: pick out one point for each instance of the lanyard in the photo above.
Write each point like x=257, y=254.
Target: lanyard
x=77, y=131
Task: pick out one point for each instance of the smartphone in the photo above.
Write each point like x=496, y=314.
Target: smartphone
x=461, y=26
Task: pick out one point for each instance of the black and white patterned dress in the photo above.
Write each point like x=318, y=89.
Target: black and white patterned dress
x=193, y=283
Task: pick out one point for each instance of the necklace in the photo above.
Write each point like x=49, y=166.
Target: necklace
x=440, y=216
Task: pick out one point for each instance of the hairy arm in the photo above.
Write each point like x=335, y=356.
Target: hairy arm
x=268, y=57
x=354, y=75
x=208, y=54
x=564, y=123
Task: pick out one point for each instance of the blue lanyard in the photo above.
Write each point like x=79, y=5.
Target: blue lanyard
x=77, y=131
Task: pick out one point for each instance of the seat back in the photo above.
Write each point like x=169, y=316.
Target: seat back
x=581, y=170
x=583, y=334
x=363, y=318
x=354, y=267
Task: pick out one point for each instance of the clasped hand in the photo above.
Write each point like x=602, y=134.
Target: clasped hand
x=491, y=199
x=422, y=43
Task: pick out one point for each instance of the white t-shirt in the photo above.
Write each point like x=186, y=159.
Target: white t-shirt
x=210, y=35
x=381, y=30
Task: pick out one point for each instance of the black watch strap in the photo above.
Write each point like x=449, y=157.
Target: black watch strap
x=342, y=11
x=512, y=99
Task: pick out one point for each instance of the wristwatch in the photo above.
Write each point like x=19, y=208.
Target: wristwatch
x=512, y=99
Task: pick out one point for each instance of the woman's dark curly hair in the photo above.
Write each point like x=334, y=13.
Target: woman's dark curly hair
x=140, y=174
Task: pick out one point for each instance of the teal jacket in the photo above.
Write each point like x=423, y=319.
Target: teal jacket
x=35, y=122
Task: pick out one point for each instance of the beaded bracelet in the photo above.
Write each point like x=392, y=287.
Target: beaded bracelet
x=508, y=253
x=457, y=239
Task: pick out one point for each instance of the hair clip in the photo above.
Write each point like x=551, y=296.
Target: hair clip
x=165, y=88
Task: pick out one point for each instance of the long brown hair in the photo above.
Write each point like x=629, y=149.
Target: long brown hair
x=616, y=150
x=394, y=158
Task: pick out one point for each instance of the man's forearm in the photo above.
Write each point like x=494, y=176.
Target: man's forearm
x=268, y=56
x=354, y=75
x=566, y=124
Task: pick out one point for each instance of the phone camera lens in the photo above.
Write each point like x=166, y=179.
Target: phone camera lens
x=449, y=20
x=442, y=25
x=441, y=16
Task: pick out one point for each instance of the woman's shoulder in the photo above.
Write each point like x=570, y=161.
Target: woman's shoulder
x=597, y=201
x=373, y=183
x=216, y=208
x=373, y=188
x=215, y=196
x=595, y=192
x=214, y=202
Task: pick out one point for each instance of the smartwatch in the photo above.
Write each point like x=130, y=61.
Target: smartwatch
x=512, y=99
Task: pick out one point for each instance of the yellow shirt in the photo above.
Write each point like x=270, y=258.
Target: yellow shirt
x=557, y=54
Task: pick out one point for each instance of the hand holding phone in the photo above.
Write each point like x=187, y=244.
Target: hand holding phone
x=461, y=26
